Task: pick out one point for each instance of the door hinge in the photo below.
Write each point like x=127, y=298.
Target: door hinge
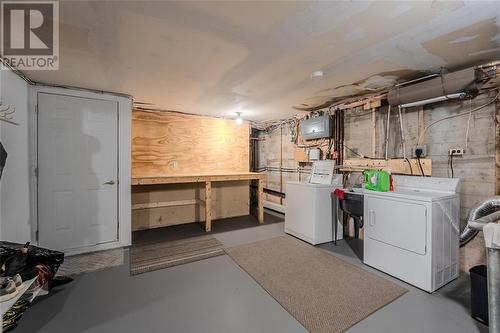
x=37, y=235
x=36, y=172
x=36, y=109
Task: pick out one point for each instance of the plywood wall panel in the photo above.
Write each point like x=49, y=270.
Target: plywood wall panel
x=167, y=143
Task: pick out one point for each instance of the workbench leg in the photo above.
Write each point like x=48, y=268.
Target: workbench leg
x=261, y=201
x=208, y=206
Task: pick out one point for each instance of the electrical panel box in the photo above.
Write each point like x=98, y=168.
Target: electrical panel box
x=316, y=128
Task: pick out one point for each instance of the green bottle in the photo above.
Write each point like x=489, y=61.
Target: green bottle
x=377, y=180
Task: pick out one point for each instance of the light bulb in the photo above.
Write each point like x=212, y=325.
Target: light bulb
x=239, y=120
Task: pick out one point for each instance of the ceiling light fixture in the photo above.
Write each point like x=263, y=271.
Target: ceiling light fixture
x=317, y=74
x=239, y=120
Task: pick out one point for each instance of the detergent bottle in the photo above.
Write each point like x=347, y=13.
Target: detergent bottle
x=377, y=180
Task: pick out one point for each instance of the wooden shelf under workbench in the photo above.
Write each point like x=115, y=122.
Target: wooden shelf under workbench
x=208, y=179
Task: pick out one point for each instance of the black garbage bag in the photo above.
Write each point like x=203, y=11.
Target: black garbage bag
x=26, y=260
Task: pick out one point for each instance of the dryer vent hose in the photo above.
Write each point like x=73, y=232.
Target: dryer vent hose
x=478, y=215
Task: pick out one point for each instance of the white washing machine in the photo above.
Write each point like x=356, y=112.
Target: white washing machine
x=308, y=212
x=413, y=232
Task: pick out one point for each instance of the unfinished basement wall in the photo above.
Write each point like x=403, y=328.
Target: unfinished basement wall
x=275, y=156
x=476, y=169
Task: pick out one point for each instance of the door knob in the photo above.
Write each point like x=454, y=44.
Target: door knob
x=109, y=182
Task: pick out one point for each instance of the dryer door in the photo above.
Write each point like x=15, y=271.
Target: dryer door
x=402, y=224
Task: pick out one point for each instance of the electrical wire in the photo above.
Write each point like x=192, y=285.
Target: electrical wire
x=409, y=164
x=402, y=131
x=468, y=125
x=450, y=159
x=420, y=165
x=369, y=157
x=448, y=167
x=387, y=126
x=454, y=116
x=355, y=152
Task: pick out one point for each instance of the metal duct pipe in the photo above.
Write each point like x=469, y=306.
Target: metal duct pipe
x=478, y=211
x=446, y=84
x=461, y=95
x=481, y=222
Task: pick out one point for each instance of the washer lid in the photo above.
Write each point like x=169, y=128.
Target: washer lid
x=309, y=184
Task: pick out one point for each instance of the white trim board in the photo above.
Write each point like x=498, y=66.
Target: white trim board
x=274, y=206
x=124, y=161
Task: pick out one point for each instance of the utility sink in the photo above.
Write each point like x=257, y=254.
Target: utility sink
x=353, y=203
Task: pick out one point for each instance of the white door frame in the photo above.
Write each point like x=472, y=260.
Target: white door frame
x=124, y=161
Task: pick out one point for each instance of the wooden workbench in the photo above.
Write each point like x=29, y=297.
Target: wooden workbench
x=207, y=179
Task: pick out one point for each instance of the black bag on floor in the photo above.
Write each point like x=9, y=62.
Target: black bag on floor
x=23, y=260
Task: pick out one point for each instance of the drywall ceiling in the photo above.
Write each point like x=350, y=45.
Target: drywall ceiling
x=218, y=58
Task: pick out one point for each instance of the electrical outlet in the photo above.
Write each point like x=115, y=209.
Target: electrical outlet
x=421, y=149
x=456, y=151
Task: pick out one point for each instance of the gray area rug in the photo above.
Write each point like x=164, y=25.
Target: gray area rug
x=323, y=292
x=150, y=257
x=91, y=262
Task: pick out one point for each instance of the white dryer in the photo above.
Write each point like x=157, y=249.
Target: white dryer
x=413, y=232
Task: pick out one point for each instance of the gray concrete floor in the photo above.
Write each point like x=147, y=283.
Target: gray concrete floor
x=215, y=295
x=445, y=311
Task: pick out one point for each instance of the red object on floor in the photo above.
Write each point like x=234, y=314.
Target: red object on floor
x=339, y=194
x=44, y=274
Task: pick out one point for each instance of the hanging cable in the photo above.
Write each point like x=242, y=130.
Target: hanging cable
x=468, y=125
x=387, y=132
x=403, y=140
x=418, y=153
x=420, y=165
x=451, y=165
x=409, y=164
x=354, y=152
x=448, y=166
x=419, y=141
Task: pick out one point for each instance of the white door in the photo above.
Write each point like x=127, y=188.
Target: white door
x=77, y=171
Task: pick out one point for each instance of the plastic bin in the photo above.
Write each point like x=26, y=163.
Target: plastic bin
x=479, y=293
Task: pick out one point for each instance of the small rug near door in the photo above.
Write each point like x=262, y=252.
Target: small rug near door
x=150, y=257
x=91, y=262
x=323, y=292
